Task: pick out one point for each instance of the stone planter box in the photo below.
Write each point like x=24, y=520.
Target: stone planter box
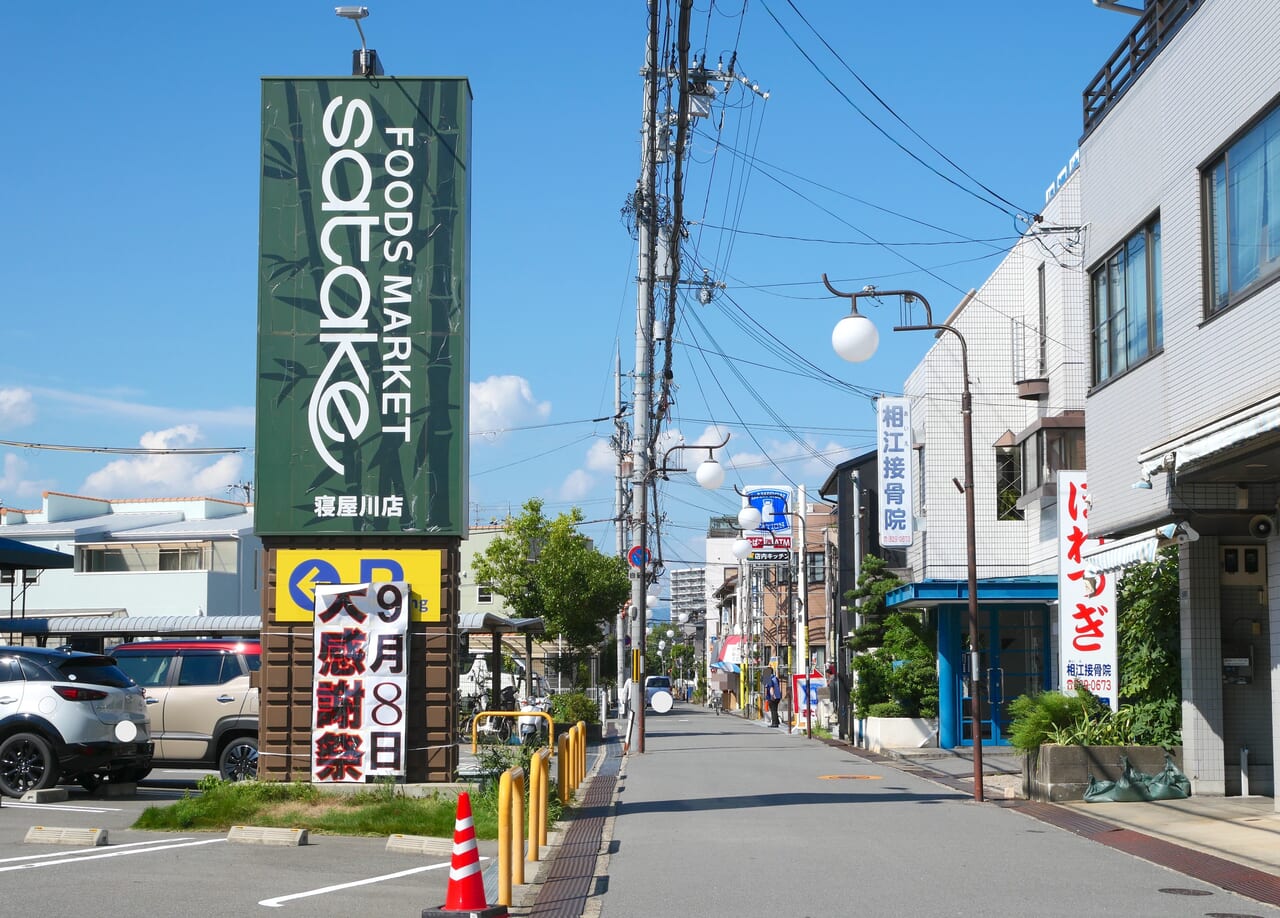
x=1057, y=773
x=899, y=733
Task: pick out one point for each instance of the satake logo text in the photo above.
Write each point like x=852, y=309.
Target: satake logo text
x=300, y=570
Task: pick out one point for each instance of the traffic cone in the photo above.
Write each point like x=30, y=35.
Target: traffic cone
x=466, y=887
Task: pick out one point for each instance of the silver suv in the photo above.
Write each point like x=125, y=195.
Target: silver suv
x=68, y=715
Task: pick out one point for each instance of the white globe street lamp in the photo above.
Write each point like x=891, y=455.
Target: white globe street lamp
x=855, y=339
x=749, y=518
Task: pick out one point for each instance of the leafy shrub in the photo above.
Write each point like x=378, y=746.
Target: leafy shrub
x=1083, y=720
x=571, y=707
x=900, y=676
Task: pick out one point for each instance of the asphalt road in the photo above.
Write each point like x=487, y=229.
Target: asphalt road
x=165, y=874
x=722, y=816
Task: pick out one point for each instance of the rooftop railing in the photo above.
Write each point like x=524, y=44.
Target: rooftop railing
x=1157, y=25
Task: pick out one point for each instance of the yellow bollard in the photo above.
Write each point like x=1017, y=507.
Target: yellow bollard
x=510, y=836
x=562, y=765
x=539, y=766
x=581, y=727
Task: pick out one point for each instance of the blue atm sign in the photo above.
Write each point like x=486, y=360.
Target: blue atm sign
x=298, y=572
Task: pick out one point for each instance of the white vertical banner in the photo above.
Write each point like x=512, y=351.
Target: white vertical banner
x=360, y=681
x=897, y=492
x=1087, y=618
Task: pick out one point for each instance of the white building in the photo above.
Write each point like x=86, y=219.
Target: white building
x=192, y=556
x=1180, y=188
x=1025, y=333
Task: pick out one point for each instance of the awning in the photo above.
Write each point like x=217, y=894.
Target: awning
x=1114, y=554
x=493, y=623
x=136, y=626
x=1203, y=442
x=991, y=590
x=15, y=555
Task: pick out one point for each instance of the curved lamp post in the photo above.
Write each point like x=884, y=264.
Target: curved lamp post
x=710, y=475
x=855, y=339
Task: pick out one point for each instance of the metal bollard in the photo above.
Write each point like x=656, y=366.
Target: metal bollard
x=1244, y=771
x=510, y=836
x=562, y=764
x=539, y=793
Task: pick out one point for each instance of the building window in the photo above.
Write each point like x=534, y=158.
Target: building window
x=1126, y=301
x=815, y=566
x=1008, y=484
x=1242, y=191
x=484, y=594
x=150, y=558
x=1042, y=362
x=1048, y=451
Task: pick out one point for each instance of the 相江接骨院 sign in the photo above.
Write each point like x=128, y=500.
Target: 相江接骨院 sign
x=363, y=306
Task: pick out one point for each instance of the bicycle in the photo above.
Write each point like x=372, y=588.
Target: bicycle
x=717, y=703
x=469, y=706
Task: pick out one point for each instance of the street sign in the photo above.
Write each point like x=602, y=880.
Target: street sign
x=638, y=556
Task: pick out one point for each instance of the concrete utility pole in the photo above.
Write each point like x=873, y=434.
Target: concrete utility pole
x=621, y=437
x=646, y=227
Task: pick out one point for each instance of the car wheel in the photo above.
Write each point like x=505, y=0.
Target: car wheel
x=26, y=763
x=239, y=759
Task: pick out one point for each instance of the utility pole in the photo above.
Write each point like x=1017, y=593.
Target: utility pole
x=621, y=437
x=646, y=210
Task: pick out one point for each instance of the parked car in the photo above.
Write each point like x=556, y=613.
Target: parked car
x=66, y=715
x=202, y=701
x=652, y=686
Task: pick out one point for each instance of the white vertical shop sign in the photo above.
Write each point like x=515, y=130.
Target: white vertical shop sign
x=359, y=681
x=1087, y=620
x=897, y=493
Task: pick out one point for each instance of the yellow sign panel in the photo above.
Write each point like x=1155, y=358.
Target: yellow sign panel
x=298, y=572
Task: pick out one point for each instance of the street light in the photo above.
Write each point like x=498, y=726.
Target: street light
x=709, y=475
x=855, y=339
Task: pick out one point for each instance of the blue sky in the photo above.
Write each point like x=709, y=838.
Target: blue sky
x=131, y=224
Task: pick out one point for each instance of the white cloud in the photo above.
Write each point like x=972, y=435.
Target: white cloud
x=16, y=407
x=602, y=458
x=577, y=485
x=166, y=475
x=500, y=402
x=15, y=488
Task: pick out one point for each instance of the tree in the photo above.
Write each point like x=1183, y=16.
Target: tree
x=875, y=582
x=545, y=567
x=1148, y=645
x=896, y=666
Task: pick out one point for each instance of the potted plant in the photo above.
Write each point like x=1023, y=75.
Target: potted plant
x=567, y=708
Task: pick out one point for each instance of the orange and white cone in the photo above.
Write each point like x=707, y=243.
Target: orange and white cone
x=466, y=885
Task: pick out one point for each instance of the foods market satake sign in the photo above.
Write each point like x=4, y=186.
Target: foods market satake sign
x=362, y=342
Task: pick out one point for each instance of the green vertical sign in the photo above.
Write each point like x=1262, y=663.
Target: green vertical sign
x=363, y=299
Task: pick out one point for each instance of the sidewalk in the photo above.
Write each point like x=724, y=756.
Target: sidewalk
x=1241, y=830
x=1231, y=843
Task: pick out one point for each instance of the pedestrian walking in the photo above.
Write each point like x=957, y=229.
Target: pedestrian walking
x=772, y=695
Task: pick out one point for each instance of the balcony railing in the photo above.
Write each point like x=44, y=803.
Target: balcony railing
x=1157, y=25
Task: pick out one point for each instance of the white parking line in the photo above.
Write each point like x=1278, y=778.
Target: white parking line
x=115, y=853
x=83, y=852
x=65, y=807
x=281, y=900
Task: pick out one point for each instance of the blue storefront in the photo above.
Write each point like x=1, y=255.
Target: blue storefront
x=1014, y=649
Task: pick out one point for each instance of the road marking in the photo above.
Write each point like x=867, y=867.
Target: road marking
x=74, y=859
x=281, y=900
x=49, y=854
x=68, y=807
